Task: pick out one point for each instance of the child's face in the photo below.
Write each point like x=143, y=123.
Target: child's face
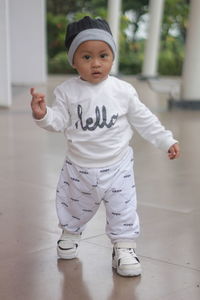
x=93, y=61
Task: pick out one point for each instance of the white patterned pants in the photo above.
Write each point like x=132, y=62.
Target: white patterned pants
x=81, y=190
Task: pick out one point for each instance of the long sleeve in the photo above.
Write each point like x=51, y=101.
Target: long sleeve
x=98, y=121
x=147, y=124
x=57, y=116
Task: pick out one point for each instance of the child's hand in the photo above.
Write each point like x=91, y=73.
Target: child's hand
x=174, y=151
x=38, y=104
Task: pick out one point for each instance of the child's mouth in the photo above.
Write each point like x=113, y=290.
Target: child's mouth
x=96, y=73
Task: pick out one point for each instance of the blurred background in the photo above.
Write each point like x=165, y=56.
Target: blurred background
x=133, y=33
x=154, y=38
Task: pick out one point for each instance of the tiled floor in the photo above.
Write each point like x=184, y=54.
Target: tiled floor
x=168, y=205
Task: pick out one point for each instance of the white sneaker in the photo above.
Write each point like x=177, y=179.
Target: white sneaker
x=67, y=245
x=124, y=259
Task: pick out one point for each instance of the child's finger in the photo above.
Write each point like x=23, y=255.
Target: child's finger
x=174, y=152
x=32, y=91
x=177, y=150
x=170, y=155
x=36, y=96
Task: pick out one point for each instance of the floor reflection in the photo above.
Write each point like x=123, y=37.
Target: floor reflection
x=124, y=288
x=73, y=286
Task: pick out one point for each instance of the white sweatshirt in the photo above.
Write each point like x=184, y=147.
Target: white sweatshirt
x=98, y=120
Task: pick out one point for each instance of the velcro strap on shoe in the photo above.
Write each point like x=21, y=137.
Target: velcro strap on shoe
x=125, y=244
x=66, y=244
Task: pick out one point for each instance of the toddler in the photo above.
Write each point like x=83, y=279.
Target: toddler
x=97, y=113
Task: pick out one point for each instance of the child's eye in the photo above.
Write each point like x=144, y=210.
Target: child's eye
x=104, y=55
x=86, y=57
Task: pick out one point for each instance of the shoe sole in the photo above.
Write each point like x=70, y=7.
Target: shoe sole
x=128, y=273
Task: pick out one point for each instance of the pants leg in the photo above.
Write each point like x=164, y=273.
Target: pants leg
x=76, y=197
x=121, y=203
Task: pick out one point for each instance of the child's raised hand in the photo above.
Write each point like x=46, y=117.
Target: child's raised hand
x=174, y=151
x=38, y=104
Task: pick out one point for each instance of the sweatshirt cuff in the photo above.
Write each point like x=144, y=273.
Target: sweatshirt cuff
x=167, y=144
x=45, y=120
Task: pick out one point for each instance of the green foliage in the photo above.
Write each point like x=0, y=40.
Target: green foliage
x=69, y=7
x=173, y=37
x=59, y=64
x=171, y=57
x=132, y=58
x=175, y=17
x=139, y=6
x=131, y=52
x=56, y=26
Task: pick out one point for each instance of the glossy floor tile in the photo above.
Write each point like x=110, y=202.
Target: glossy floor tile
x=168, y=205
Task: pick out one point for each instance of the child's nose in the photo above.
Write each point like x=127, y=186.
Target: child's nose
x=96, y=63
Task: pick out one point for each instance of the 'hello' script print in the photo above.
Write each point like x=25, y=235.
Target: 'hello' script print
x=100, y=120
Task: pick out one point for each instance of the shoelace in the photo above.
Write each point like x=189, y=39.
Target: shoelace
x=127, y=255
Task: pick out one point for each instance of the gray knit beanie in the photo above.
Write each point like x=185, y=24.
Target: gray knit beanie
x=87, y=29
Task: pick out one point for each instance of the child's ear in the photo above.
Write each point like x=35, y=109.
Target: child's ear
x=73, y=65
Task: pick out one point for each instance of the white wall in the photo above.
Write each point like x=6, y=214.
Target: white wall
x=5, y=89
x=28, y=41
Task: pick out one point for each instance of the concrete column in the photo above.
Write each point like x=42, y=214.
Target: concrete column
x=190, y=91
x=114, y=13
x=153, y=41
x=5, y=87
x=28, y=41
